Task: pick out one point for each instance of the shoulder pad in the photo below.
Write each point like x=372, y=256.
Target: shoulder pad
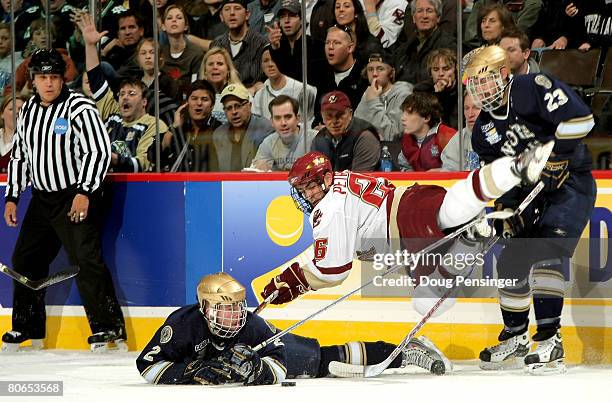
x=543, y=81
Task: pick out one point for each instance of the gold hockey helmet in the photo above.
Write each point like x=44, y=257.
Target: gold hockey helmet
x=222, y=300
x=484, y=78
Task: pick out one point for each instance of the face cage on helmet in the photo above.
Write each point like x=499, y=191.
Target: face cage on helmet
x=225, y=327
x=488, y=91
x=300, y=202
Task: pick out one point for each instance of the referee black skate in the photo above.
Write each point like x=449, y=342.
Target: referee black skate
x=62, y=148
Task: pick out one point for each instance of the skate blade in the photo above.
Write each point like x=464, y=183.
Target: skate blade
x=513, y=363
x=27, y=346
x=118, y=346
x=554, y=367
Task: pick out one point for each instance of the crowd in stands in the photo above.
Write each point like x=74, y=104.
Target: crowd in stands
x=235, y=92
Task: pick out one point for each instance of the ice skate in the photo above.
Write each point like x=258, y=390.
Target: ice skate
x=108, y=341
x=12, y=342
x=508, y=354
x=548, y=356
x=530, y=163
x=423, y=353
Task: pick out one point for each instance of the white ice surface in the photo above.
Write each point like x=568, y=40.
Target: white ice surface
x=113, y=377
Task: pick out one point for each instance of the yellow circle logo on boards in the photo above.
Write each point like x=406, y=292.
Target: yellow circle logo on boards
x=284, y=222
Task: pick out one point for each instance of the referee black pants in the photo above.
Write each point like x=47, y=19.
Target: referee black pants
x=46, y=227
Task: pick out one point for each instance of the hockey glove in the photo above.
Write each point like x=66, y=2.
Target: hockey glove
x=210, y=372
x=555, y=173
x=290, y=284
x=510, y=227
x=245, y=363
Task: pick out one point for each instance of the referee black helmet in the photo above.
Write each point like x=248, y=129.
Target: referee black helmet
x=47, y=61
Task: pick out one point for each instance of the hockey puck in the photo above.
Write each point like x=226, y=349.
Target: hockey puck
x=288, y=383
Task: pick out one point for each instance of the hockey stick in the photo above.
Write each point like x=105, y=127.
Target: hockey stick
x=265, y=303
x=351, y=370
x=433, y=246
x=42, y=283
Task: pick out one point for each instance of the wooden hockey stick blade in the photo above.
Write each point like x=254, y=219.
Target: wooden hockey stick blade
x=42, y=283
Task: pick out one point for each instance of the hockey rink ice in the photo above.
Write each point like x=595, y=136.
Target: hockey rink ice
x=113, y=377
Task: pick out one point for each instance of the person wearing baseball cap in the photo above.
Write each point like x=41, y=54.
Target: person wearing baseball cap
x=381, y=102
x=349, y=142
x=236, y=142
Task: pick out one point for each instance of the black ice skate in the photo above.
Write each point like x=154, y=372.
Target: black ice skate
x=548, y=357
x=12, y=340
x=108, y=341
x=508, y=354
x=529, y=164
x=423, y=353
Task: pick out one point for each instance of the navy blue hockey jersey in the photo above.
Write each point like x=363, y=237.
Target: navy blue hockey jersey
x=540, y=108
x=185, y=337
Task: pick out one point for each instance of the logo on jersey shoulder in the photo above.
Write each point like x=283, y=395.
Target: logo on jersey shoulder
x=316, y=218
x=60, y=127
x=543, y=81
x=202, y=345
x=166, y=334
x=491, y=135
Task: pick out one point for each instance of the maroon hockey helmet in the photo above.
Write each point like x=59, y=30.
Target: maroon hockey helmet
x=308, y=168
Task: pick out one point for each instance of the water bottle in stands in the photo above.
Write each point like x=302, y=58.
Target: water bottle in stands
x=386, y=165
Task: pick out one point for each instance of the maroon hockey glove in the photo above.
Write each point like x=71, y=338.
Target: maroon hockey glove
x=290, y=284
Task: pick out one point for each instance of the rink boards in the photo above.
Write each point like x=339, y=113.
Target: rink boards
x=163, y=232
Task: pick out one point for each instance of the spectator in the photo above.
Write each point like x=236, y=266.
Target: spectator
x=243, y=44
x=205, y=24
x=591, y=21
x=236, y=141
x=8, y=129
x=262, y=14
x=279, y=150
x=6, y=71
x=349, y=15
x=23, y=81
x=145, y=56
x=385, y=19
x=516, y=45
x=218, y=69
x=279, y=84
x=191, y=132
x=424, y=134
x=442, y=65
x=452, y=150
x=19, y=10
x=411, y=56
x=447, y=23
x=285, y=39
x=120, y=52
x=484, y=28
x=182, y=59
x=59, y=12
x=130, y=128
x=342, y=71
x=319, y=18
x=145, y=10
x=382, y=100
x=552, y=28
x=349, y=142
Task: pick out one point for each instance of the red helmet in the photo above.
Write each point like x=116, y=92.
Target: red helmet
x=306, y=169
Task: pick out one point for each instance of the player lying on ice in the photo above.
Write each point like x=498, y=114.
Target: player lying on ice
x=211, y=343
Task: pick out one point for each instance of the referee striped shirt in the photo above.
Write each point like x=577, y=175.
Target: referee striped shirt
x=58, y=146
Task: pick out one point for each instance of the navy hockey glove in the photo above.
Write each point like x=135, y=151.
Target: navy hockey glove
x=209, y=372
x=245, y=363
x=510, y=227
x=290, y=284
x=555, y=173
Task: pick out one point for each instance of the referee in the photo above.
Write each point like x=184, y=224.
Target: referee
x=62, y=148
